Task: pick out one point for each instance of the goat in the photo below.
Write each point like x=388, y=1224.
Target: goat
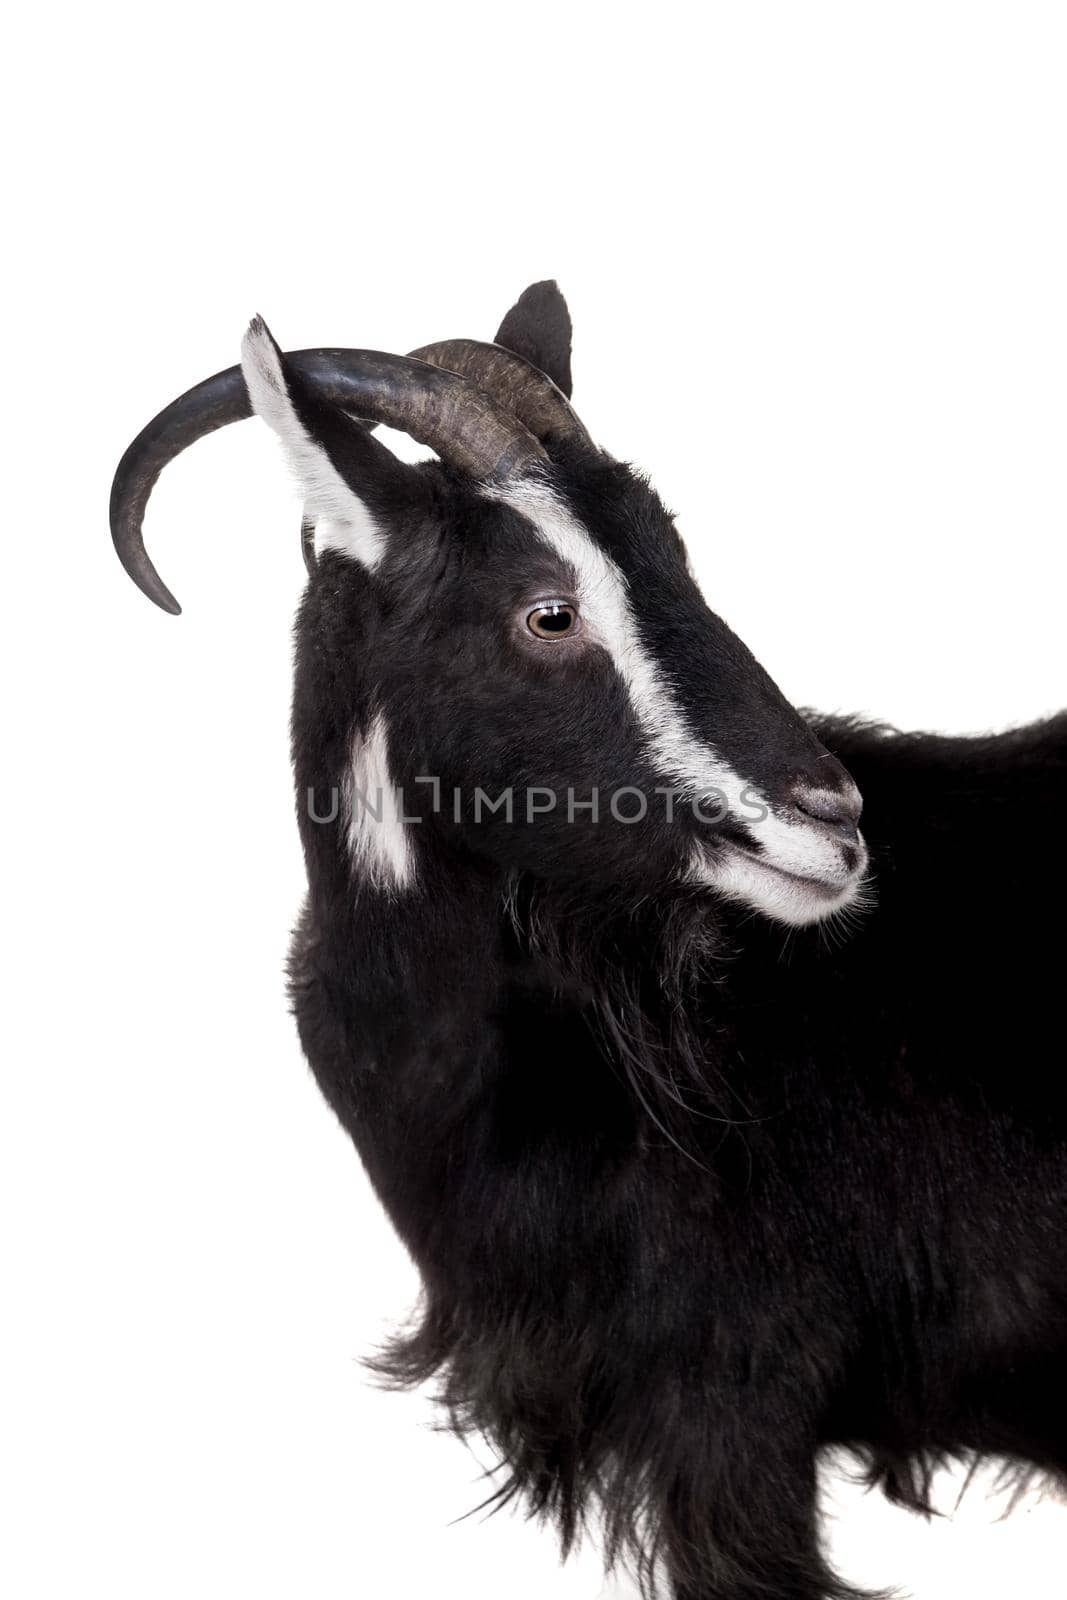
x=719, y=1131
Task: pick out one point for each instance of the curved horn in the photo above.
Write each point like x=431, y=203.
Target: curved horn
x=438, y=408
x=515, y=383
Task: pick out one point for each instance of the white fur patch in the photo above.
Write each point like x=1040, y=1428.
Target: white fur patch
x=342, y=520
x=754, y=882
x=378, y=838
x=689, y=764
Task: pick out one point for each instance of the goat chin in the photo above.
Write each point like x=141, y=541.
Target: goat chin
x=778, y=893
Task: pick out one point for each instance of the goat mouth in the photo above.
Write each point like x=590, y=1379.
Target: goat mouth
x=780, y=893
x=817, y=886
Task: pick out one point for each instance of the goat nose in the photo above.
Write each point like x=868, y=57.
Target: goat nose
x=837, y=810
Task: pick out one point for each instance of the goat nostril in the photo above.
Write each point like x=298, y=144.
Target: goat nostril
x=836, y=811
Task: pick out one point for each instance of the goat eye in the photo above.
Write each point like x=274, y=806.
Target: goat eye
x=553, y=620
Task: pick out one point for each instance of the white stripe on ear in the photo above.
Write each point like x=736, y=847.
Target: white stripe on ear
x=343, y=521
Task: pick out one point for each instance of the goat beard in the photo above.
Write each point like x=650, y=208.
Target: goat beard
x=643, y=974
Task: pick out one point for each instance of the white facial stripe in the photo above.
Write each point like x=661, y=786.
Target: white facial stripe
x=687, y=763
x=378, y=840
x=342, y=520
x=690, y=765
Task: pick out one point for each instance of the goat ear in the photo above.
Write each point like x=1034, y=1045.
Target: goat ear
x=538, y=328
x=351, y=482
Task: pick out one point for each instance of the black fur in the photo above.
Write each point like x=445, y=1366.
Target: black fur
x=692, y=1195
x=538, y=328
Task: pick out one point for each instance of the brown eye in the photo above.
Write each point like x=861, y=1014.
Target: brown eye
x=553, y=620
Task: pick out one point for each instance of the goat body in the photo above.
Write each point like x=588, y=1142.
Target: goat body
x=667, y=1259
x=705, y=1164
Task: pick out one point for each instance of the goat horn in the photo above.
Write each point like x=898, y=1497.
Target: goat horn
x=515, y=383
x=439, y=408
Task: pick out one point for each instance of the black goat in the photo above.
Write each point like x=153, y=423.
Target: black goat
x=694, y=1189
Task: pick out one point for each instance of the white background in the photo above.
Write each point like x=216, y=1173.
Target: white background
x=817, y=258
